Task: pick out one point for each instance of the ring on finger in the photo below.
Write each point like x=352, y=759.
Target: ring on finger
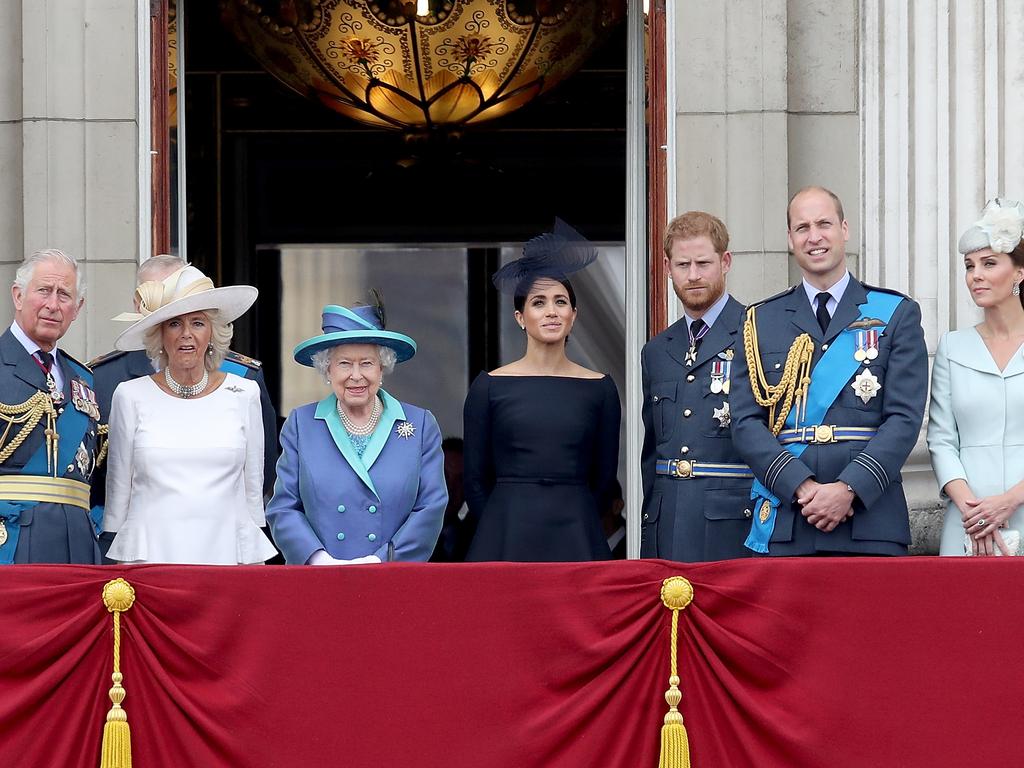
x=981, y=523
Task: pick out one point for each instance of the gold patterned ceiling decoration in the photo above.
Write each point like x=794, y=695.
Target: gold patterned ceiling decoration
x=461, y=63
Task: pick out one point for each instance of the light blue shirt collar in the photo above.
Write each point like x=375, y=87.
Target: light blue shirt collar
x=712, y=313
x=31, y=347
x=836, y=291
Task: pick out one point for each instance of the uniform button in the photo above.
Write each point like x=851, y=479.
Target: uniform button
x=341, y=507
x=656, y=398
x=373, y=509
x=372, y=536
x=690, y=377
x=685, y=449
x=747, y=513
x=341, y=537
x=687, y=413
x=824, y=347
x=645, y=515
x=778, y=365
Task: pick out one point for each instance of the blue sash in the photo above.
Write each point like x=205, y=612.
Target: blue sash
x=71, y=426
x=832, y=372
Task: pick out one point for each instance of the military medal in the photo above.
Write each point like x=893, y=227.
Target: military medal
x=872, y=344
x=717, y=377
x=55, y=394
x=866, y=385
x=861, y=355
x=3, y=532
x=765, y=511
x=84, y=399
x=723, y=416
x=691, y=353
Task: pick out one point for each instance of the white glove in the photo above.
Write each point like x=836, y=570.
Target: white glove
x=321, y=557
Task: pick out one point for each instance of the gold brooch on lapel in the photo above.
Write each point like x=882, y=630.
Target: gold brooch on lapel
x=405, y=429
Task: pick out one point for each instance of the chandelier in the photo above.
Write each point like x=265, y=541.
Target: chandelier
x=421, y=65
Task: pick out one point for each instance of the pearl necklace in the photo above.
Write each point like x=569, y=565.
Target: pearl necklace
x=186, y=391
x=368, y=427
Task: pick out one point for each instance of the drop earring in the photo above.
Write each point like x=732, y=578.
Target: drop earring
x=1016, y=289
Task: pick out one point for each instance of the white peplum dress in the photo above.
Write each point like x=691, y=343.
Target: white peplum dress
x=185, y=477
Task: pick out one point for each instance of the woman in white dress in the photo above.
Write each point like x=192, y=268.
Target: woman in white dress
x=976, y=416
x=185, y=468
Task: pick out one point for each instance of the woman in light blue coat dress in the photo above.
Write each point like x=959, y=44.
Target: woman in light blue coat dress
x=361, y=475
x=976, y=417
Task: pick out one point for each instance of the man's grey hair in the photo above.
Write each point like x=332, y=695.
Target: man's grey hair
x=28, y=268
x=322, y=359
x=161, y=265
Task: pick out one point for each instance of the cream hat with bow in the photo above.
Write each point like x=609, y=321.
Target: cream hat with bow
x=180, y=293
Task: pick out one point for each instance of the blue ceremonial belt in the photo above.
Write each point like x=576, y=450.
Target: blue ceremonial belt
x=683, y=469
x=819, y=434
x=71, y=426
x=830, y=375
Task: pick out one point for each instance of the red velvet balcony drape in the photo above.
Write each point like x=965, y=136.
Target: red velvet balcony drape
x=834, y=662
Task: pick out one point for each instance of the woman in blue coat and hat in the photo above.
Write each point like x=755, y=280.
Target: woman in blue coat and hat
x=361, y=475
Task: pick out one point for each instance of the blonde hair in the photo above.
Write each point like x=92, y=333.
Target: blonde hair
x=220, y=342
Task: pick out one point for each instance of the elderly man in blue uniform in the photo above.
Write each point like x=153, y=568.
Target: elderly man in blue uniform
x=829, y=391
x=113, y=368
x=50, y=433
x=696, y=488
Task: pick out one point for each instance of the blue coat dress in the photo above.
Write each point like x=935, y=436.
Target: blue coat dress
x=326, y=497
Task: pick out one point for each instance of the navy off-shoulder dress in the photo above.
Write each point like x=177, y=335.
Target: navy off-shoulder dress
x=541, y=453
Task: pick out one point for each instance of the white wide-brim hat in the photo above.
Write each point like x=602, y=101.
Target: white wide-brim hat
x=180, y=293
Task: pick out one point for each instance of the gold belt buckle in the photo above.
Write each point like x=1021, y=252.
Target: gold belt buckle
x=683, y=468
x=824, y=433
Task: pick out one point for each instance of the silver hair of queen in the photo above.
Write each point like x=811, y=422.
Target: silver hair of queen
x=322, y=359
x=28, y=268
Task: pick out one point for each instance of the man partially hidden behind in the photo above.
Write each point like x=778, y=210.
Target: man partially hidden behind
x=696, y=487
x=48, y=421
x=829, y=402
x=113, y=368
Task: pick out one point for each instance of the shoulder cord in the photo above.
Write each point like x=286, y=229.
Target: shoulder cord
x=796, y=376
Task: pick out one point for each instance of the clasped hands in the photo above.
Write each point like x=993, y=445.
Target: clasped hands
x=320, y=557
x=825, y=505
x=984, y=517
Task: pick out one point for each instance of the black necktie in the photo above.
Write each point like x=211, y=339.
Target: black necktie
x=697, y=332
x=822, y=313
x=45, y=359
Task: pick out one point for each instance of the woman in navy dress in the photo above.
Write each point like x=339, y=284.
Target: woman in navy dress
x=541, y=434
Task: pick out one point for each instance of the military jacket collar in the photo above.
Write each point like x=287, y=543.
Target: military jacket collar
x=846, y=312
x=720, y=336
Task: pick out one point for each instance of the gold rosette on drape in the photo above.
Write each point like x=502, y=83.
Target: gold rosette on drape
x=676, y=594
x=118, y=596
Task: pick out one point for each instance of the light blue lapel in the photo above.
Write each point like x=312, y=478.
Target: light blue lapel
x=327, y=410
x=393, y=412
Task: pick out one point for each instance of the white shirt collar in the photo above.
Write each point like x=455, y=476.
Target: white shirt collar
x=836, y=291
x=712, y=313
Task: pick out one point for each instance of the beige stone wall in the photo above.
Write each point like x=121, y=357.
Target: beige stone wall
x=69, y=132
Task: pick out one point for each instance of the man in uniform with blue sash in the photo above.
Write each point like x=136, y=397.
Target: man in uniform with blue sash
x=696, y=487
x=113, y=368
x=829, y=391
x=49, y=435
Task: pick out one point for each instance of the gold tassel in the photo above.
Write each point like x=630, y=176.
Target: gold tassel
x=676, y=594
x=118, y=596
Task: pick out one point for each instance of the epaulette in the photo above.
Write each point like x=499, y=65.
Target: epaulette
x=773, y=298
x=248, y=362
x=893, y=291
x=104, y=358
x=77, y=362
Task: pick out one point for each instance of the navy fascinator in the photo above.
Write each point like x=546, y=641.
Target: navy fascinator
x=553, y=254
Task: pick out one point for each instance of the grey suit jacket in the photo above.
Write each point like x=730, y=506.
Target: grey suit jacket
x=702, y=518
x=880, y=523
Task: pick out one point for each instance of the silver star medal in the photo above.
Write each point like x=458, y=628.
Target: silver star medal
x=82, y=459
x=405, y=429
x=866, y=385
x=723, y=416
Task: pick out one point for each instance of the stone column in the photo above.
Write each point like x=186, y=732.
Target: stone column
x=942, y=84
x=69, y=159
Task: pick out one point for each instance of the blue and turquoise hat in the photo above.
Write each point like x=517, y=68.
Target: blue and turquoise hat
x=358, y=325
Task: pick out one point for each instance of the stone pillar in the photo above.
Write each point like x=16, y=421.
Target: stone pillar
x=69, y=159
x=942, y=83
